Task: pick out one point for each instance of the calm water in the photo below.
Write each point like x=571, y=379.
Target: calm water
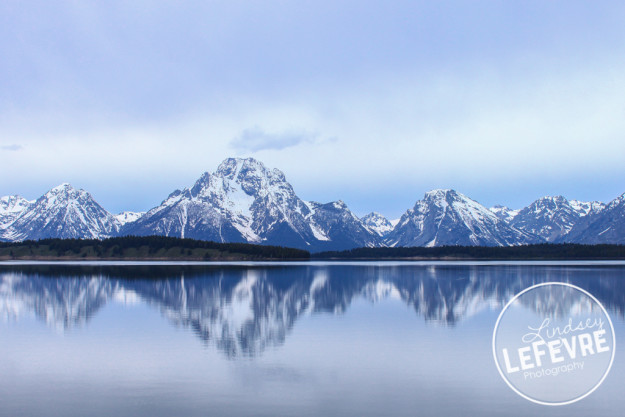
x=354, y=339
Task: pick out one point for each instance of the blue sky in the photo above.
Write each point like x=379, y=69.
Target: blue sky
x=371, y=102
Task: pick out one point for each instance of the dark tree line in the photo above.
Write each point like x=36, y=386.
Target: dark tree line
x=544, y=251
x=176, y=248
x=119, y=247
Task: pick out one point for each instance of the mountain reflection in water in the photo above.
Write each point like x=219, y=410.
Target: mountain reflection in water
x=243, y=309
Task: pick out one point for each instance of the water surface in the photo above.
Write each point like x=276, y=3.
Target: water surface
x=283, y=339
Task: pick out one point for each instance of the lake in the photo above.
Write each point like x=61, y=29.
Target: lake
x=276, y=339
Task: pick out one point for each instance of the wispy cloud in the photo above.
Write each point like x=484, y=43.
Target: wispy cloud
x=256, y=139
x=11, y=147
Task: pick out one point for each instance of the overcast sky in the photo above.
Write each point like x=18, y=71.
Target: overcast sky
x=372, y=102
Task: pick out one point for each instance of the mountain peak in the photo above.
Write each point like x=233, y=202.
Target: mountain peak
x=126, y=217
x=604, y=223
x=443, y=194
x=66, y=186
x=443, y=198
x=618, y=201
x=558, y=199
x=446, y=217
x=11, y=207
x=200, y=184
x=63, y=212
x=440, y=193
x=231, y=166
x=552, y=217
x=504, y=212
x=13, y=204
x=620, y=198
x=249, y=174
x=373, y=215
x=377, y=223
x=65, y=192
x=244, y=201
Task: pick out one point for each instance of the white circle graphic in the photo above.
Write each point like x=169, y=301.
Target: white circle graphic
x=554, y=343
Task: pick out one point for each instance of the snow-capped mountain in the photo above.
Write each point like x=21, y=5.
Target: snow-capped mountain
x=243, y=201
x=377, y=223
x=10, y=209
x=339, y=225
x=606, y=225
x=128, y=216
x=586, y=208
x=63, y=212
x=504, y=213
x=445, y=217
x=551, y=218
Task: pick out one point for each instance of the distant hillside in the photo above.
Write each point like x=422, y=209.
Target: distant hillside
x=143, y=248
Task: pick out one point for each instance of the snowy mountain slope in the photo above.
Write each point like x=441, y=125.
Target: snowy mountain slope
x=63, y=212
x=377, y=223
x=504, y=213
x=219, y=206
x=600, y=226
x=11, y=207
x=551, y=218
x=180, y=215
x=339, y=227
x=586, y=208
x=445, y=217
x=243, y=201
x=13, y=204
x=128, y=217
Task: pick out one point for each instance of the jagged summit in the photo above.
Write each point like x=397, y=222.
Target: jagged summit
x=377, y=223
x=504, y=213
x=585, y=208
x=617, y=201
x=440, y=193
x=63, y=212
x=446, y=217
x=11, y=207
x=552, y=217
x=66, y=186
x=244, y=201
x=126, y=217
x=13, y=204
x=604, y=224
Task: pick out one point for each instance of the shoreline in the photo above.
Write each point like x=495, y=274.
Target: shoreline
x=302, y=261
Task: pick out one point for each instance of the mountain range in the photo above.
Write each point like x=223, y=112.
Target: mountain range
x=244, y=201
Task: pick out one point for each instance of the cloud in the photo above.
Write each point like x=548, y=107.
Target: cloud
x=12, y=147
x=256, y=139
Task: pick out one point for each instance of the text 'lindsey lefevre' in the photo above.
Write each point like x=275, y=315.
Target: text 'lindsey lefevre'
x=552, y=346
